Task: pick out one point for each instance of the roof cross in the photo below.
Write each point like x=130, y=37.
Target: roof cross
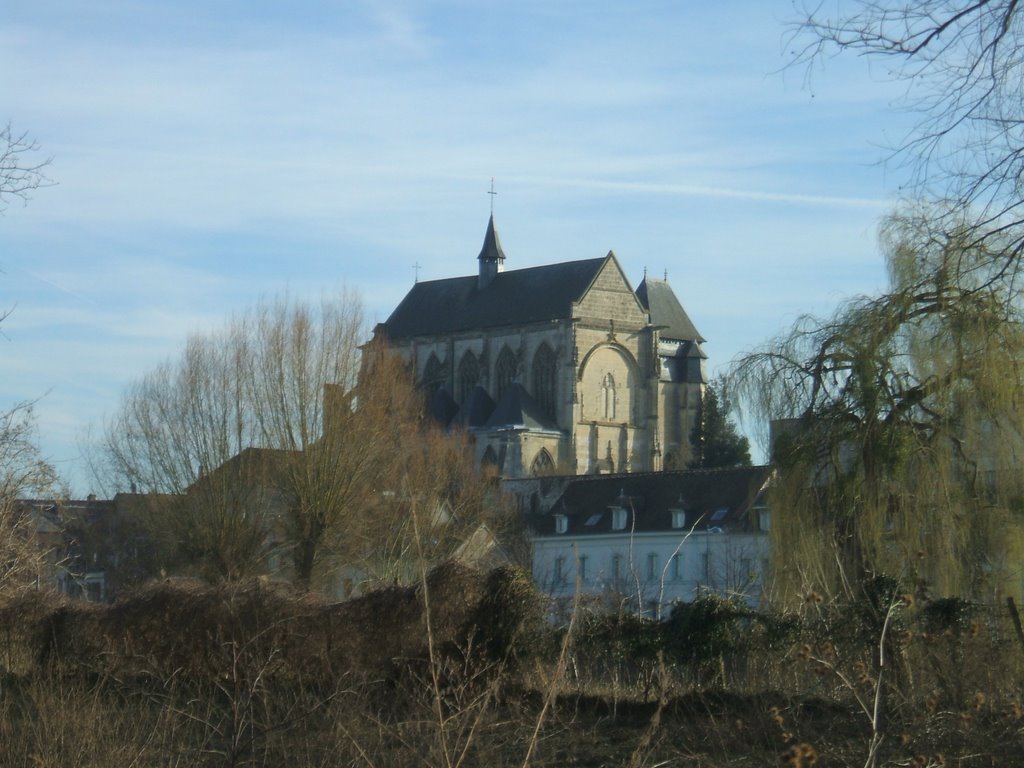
x=416, y=267
x=492, y=193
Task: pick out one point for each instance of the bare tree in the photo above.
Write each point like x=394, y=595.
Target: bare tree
x=283, y=440
x=22, y=469
x=21, y=171
x=22, y=472
x=341, y=429
x=961, y=62
x=435, y=505
x=175, y=436
x=384, y=490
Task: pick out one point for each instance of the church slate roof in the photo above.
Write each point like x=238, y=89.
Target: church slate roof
x=441, y=407
x=476, y=410
x=658, y=298
x=491, y=250
x=517, y=410
x=517, y=297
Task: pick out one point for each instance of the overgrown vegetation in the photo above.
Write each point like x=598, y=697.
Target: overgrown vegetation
x=898, y=530
x=462, y=669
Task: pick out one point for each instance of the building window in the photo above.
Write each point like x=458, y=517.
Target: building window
x=618, y=518
x=676, y=569
x=617, y=570
x=505, y=371
x=705, y=565
x=433, y=375
x=559, y=570
x=469, y=376
x=561, y=523
x=543, y=464
x=608, y=396
x=545, y=380
x=652, y=566
x=678, y=518
x=581, y=568
x=95, y=587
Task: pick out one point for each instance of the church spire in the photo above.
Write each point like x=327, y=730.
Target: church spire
x=492, y=257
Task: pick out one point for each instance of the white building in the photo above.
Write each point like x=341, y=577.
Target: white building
x=649, y=540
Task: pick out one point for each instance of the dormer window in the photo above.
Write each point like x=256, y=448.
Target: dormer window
x=618, y=518
x=679, y=513
x=561, y=523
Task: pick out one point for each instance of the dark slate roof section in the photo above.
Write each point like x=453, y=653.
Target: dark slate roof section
x=442, y=407
x=491, y=250
x=692, y=349
x=518, y=410
x=476, y=410
x=711, y=498
x=518, y=297
x=658, y=298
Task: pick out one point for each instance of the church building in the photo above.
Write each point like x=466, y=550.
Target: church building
x=562, y=368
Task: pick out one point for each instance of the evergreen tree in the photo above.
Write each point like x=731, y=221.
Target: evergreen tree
x=714, y=439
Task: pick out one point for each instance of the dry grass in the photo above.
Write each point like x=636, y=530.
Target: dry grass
x=254, y=675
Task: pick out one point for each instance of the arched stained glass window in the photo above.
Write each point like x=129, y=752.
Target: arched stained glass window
x=468, y=376
x=505, y=372
x=545, y=380
x=543, y=464
x=433, y=375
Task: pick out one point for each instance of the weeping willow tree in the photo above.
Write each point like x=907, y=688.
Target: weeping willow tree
x=899, y=430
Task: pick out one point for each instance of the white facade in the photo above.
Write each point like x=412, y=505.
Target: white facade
x=648, y=541
x=653, y=570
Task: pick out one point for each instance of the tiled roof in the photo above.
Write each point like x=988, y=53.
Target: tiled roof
x=517, y=297
x=711, y=498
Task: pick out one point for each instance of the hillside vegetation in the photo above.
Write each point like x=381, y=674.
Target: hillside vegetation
x=464, y=669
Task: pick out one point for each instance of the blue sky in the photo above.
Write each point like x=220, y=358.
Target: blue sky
x=213, y=153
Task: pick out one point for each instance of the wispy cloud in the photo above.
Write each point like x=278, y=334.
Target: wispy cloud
x=212, y=153
x=689, y=190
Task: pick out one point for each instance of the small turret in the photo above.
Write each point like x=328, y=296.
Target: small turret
x=491, y=258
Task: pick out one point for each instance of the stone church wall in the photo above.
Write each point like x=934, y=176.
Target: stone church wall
x=610, y=296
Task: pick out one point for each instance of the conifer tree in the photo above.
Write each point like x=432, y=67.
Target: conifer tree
x=714, y=440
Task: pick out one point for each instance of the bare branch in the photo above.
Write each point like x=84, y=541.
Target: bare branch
x=21, y=172
x=962, y=62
